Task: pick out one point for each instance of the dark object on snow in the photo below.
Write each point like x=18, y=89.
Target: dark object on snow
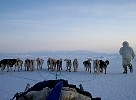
x=56, y=86
x=81, y=87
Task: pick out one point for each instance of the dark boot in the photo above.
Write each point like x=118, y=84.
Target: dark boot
x=125, y=70
x=131, y=68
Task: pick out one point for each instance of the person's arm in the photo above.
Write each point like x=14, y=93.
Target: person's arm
x=133, y=53
x=120, y=51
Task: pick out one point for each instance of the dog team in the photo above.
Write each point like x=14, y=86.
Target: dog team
x=53, y=64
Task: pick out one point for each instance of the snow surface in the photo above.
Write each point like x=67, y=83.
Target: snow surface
x=113, y=86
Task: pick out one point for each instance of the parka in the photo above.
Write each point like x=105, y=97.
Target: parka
x=127, y=53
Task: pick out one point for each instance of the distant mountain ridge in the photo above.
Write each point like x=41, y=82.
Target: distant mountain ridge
x=64, y=52
x=72, y=52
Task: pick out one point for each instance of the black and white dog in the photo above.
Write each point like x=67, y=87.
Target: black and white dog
x=7, y=63
x=103, y=65
x=87, y=65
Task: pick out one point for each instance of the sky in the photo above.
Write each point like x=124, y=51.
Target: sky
x=58, y=25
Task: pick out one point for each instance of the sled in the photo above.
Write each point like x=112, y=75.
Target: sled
x=54, y=90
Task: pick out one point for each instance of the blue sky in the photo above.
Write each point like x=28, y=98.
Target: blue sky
x=57, y=25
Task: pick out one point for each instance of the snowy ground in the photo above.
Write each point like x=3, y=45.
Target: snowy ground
x=113, y=86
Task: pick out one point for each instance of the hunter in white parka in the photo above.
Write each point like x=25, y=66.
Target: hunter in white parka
x=127, y=55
